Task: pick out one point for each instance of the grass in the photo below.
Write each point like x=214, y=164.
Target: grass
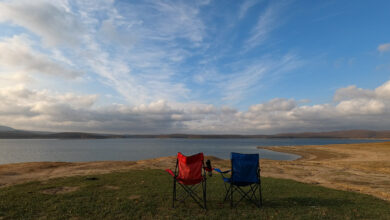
x=147, y=194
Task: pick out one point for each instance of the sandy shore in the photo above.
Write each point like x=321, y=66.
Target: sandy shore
x=363, y=168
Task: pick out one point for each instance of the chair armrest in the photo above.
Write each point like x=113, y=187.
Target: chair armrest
x=208, y=169
x=219, y=171
x=170, y=172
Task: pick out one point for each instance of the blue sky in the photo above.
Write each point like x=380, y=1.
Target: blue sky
x=195, y=66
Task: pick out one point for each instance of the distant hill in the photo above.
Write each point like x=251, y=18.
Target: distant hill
x=62, y=135
x=331, y=134
x=196, y=136
x=10, y=133
x=5, y=128
x=337, y=134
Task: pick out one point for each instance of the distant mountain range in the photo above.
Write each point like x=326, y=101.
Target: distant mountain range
x=338, y=134
x=5, y=128
x=11, y=133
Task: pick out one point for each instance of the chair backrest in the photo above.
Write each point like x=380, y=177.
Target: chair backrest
x=245, y=168
x=190, y=168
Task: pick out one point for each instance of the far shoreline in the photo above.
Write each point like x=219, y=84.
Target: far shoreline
x=200, y=138
x=343, y=134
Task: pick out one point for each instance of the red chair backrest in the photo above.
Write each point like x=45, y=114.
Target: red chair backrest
x=190, y=168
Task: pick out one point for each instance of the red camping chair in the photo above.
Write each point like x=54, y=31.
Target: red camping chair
x=188, y=174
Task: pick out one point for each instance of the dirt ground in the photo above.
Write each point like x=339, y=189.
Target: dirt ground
x=363, y=168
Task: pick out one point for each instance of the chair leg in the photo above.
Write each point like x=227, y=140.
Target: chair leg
x=204, y=195
x=192, y=194
x=249, y=195
x=231, y=196
x=260, y=194
x=174, y=193
x=227, y=193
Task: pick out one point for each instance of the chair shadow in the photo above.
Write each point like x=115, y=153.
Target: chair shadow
x=290, y=202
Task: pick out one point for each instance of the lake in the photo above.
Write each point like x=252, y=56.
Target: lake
x=30, y=150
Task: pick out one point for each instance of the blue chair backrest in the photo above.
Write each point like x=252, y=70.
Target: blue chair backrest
x=245, y=168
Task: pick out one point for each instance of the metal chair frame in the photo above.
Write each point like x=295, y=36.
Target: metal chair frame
x=190, y=190
x=249, y=194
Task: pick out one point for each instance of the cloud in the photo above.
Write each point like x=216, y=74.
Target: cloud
x=36, y=110
x=245, y=7
x=51, y=20
x=383, y=91
x=16, y=78
x=47, y=110
x=176, y=19
x=147, y=53
x=143, y=51
x=132, y=51
x=17, y=54
x=361, y=107
x=137, y=54
x=273, y=105
x=111, y=34
x=384, y=47
x=267, y=21
x=245, y=77
x=254, y=75
x=165, y=21
x=352, y=92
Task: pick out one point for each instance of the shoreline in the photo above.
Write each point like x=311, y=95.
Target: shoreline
x=197, y=138
x=362, y=167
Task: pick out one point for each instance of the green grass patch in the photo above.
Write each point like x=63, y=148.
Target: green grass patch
x=148, y=194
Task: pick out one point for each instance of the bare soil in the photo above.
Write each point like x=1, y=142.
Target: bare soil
x=59, y=190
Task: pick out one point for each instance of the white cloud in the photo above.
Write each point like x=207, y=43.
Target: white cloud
x=384, y=47
x=383, y=91
x=143, y=51
x=31, y=109
x=43, y=110
x=352, y=92
x=277, y=104
x=111, y=34
x=176, y=19
x=133, y=52
x=248, y=80
x=16, y=78
x=248, y=4
x=266, y=23
x=143, y=67
x=17, y=54
x=132, y=47
x=361, y=106
x=51, y=20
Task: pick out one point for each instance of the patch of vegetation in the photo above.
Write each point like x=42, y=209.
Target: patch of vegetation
x=148, y=194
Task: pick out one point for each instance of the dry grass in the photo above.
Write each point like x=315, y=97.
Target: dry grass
x=363, y=167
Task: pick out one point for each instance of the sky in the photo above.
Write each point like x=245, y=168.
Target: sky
x=205, y=67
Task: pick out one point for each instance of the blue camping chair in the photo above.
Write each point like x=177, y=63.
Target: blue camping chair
x=244, y=179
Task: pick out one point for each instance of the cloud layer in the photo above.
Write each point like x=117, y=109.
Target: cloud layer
x=352, y=108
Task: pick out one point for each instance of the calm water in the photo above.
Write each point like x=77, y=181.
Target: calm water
x=28, y=150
